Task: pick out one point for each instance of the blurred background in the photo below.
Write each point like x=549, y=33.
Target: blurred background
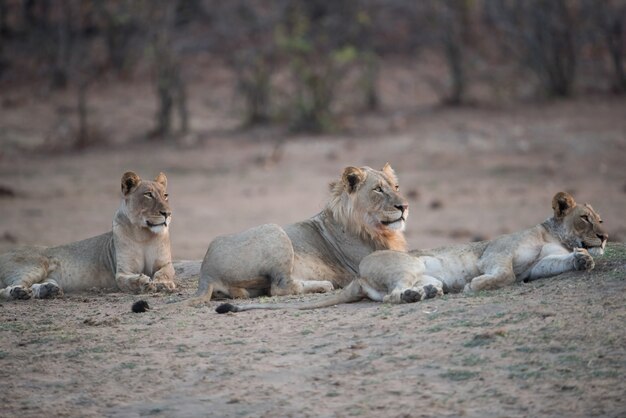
x=485, y=108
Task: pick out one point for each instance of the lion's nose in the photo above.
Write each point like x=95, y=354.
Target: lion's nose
x=604, y=236
x=166, y=214
x=403, y=207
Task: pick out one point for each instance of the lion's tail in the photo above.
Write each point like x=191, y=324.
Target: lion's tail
x=351, y=293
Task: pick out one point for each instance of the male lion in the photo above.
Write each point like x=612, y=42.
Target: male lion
x=562, y=243
x=365, y=213
x=135, y=255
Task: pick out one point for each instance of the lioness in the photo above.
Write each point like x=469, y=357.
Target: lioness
x=562, y=243
x=365, y=213
x=135, y=255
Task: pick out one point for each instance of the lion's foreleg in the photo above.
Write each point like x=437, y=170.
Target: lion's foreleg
x=238, y=292
x=135, y=283
x=126, y=277
x=554, y=264
x=296, y=287
x=316, y=286
x=164, y=278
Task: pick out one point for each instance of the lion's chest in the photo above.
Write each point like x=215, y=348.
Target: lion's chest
x=150, y=259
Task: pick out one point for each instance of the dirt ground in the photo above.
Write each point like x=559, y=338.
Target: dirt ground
x=553, y=348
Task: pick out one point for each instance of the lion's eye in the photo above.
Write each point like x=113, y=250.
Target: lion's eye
x=148, y=195
x=397, y=187
x=378, y=189
x=165, y=195
x=585, y=218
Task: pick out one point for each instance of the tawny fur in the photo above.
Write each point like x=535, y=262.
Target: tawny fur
x=134, y=257
x=564, y=242
x=365, y=213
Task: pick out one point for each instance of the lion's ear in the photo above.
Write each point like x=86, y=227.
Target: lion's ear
x=130, y=181
x=352, y=177
x=161, y=179
x=389, y=172
x=562, y=204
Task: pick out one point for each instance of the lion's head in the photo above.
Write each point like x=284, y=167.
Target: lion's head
x=579, y=226
x=146, y=202
x=368, y=203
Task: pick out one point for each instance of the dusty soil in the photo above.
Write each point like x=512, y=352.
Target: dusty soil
x=553, y=348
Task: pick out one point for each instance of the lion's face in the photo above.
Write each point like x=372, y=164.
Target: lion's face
x=379, y=201
x=147, y=202
x=369, y=202
x=581, y=224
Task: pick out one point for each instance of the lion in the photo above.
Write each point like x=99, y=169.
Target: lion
x=134, y=257
x=565, y=242
x=365, y=213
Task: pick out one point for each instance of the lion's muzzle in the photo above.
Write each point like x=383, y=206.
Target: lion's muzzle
x=159, y=223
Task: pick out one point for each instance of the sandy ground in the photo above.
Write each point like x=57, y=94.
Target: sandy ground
x=554, y=348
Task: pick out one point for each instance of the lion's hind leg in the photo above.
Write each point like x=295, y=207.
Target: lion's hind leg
x=15, y=292
x=403, y=290
x=427, y=287
x=497, y=272
x=24, y=274
x=492, y=280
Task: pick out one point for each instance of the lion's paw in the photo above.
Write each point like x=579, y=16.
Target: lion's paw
x=314, y=286
x=411, y=296
x=19, y=292
x=326, y=287
x=583, y=260
x=165, y=286
x=148, y=288
x=431, y=291
x=46, y=291
x=140, y=284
